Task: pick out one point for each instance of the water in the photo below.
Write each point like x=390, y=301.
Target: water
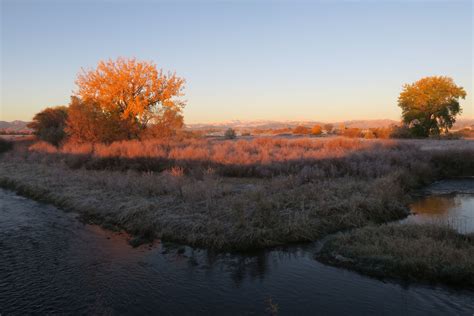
x=52, y=263
x=449, y=203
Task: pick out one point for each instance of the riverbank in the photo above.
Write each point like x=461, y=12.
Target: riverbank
x=411, y=252
x=224, y=214
x=237, y=195
x=88, y=270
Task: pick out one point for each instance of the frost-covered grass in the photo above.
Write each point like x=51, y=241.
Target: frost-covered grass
x=232, y=194
x=412, y=252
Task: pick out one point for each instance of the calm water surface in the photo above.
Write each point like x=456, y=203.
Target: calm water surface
x=448, y=202
x=52, y=263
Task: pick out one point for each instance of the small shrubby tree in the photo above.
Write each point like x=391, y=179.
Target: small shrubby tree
x=316, y=130
x=49, y=124
x=301, y=130
x=401, y=132
x=328, y=128
x=430, y=105
x=230, y=134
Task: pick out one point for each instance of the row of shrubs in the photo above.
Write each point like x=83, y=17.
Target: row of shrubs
x=394, y=131
x=259, y=157
x=55, y=125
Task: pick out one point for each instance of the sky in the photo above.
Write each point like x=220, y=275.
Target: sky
x=242, y=60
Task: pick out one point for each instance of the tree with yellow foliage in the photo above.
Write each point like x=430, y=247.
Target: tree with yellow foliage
x=134, y=93
x=431, y=105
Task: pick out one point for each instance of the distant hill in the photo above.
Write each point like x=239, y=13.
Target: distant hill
x=268, y=124
x=264, y=124
x=464, y=123
x=14, y=126
x=367, y=123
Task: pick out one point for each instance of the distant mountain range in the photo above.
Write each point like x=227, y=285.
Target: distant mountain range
x=266, y=124
x=14, y=126
x=464, y=123
x=262, y=124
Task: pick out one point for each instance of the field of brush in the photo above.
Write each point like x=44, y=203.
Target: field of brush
x=234, y=194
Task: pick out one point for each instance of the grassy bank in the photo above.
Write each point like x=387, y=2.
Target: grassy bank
x=231, y=194
x=411, y=252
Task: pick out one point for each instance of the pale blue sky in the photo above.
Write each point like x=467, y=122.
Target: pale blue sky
x=278, y=60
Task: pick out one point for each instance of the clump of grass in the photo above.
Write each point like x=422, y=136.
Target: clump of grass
x=411, y=252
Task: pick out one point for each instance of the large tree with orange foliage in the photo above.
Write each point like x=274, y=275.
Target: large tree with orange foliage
x=87, y=123
x=431, y=104
x=136, y=93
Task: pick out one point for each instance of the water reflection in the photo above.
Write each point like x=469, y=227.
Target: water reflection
x=435, y=205
x=453, y=210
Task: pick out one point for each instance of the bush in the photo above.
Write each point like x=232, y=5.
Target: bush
x=401, y=132
x=302, y=130
x=352, y=132
x=230, y=134
x=382, y=132
x=49, y=124
x=316, y=130
x=328, y=128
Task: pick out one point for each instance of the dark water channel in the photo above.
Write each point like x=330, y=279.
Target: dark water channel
x=51, y=263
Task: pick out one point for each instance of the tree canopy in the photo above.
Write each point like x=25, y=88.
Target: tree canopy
x=431, y=104
x=133, y=92
x=88, y=123
x=316, y=130
x=48, y=125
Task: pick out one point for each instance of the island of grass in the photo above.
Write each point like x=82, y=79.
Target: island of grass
x=411, y=252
